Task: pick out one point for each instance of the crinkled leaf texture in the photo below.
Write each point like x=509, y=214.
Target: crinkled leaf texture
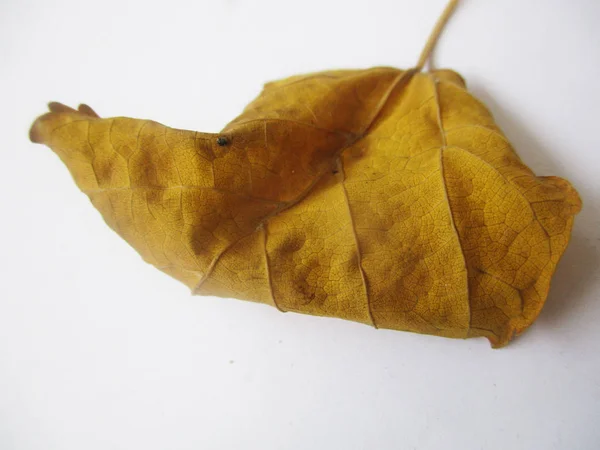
x=381, y=196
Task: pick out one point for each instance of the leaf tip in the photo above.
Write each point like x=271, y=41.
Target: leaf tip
x=60, y=108
x=87, y=110
x=39, y=131
x=35, y=132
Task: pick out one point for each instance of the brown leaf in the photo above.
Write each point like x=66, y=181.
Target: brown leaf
x=381, y=196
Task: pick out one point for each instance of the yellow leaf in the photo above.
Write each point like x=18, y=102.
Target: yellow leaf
x=381, y=196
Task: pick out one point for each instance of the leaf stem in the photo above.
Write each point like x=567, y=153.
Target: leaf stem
x=435, y=34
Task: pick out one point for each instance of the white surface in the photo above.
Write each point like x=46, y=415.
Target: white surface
x=100, y=351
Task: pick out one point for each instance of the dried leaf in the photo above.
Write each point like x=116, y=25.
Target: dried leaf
x=381, y=196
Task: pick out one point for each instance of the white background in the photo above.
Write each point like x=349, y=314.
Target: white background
x=101, y=351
